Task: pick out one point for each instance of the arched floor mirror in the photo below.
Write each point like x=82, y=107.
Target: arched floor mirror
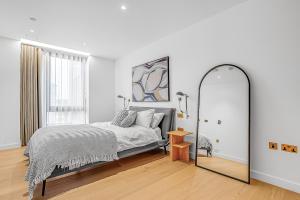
x=223, y=127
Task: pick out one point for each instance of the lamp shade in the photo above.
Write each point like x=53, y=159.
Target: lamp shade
x=179, y=93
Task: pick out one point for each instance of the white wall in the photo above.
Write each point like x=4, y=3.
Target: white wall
x=10, y=93
x=263, y=38
x=102, y=89
x=101, y=84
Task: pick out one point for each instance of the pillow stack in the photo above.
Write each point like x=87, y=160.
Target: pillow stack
x=157, y=117
x=119, y=117
x=146, y=118
x=129, y=119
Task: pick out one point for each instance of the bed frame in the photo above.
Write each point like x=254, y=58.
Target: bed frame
x=166, y=125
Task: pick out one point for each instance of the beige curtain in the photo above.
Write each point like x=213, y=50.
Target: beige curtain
x=29, y=108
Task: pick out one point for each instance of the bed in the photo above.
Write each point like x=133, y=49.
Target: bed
x=148, y=140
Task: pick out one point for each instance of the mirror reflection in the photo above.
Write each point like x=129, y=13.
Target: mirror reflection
x=223, y=125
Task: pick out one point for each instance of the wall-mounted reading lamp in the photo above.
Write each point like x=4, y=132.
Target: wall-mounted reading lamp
x=124, y=101
x=180, y=95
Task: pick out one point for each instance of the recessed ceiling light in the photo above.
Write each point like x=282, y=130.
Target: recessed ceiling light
x=219, y=77
x=84, y=44
x=123, y=7
x=31, y=31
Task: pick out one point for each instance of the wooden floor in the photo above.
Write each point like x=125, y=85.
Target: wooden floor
x=228, y=167
x=144, y=177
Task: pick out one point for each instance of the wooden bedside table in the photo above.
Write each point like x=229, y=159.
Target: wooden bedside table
x=179, y=149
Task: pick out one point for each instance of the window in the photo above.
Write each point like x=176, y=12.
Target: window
x=64, y=89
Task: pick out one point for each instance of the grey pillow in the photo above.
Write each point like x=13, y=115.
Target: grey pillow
x=144, y=118
x=157, y=117
x=119, y=117
x=129, y=119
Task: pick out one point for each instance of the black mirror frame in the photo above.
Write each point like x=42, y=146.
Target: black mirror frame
x=249, y=119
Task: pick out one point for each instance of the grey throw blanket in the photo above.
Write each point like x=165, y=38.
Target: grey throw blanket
x=70, y=146
x=204, y=143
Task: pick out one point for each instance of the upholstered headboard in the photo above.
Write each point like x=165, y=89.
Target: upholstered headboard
x=167, y=124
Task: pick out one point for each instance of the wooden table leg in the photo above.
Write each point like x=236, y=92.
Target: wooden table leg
x=184, y=154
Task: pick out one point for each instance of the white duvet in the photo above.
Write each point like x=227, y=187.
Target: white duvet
x=131, y=137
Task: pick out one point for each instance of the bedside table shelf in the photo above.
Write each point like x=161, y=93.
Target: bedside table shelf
x=182, y=145
x=179, y=148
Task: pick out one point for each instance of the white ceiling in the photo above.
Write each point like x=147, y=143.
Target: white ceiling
x=101, y=24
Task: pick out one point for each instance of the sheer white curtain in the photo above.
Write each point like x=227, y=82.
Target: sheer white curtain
x=63, y=89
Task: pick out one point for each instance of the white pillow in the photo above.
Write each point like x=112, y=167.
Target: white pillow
x=144, y=118
x=157, y=117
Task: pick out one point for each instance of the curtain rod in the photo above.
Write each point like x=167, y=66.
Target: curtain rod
x=53, y=47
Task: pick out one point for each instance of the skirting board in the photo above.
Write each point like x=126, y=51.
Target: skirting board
x=9, y=146
x=236, y=159
x=225, y=156
x=267, y=178
x=280, y=182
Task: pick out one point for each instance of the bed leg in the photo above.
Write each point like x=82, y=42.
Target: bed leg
x=44, y=186
x=165, y=150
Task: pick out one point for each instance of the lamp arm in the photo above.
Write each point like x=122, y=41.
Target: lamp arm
x=127, y=103
x=186, y=107
x=179, y=104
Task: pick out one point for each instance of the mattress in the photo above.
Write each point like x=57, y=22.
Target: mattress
x=131, y=137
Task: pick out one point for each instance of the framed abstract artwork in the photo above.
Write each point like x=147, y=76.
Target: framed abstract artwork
x=150, y=81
